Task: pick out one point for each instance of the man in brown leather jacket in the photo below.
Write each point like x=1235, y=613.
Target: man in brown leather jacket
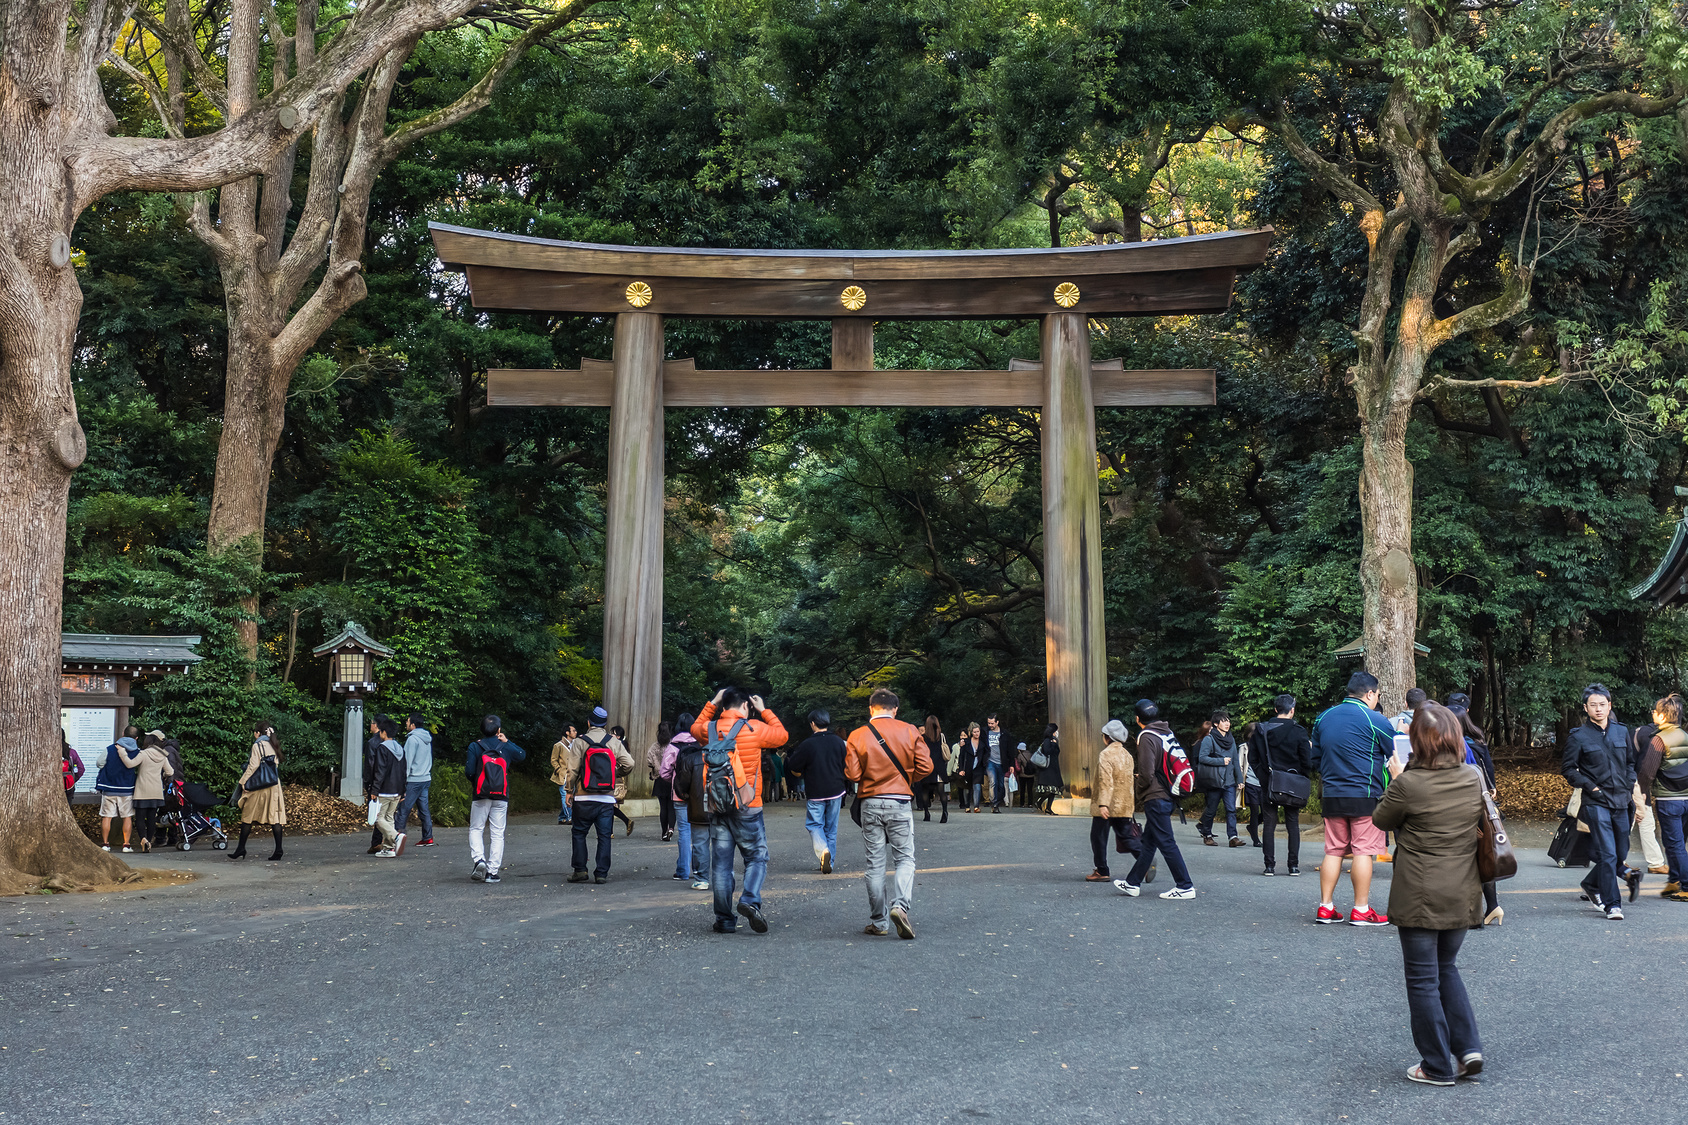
x=883, y=760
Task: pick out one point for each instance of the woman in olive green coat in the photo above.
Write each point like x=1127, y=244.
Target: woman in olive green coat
x=1435, y=894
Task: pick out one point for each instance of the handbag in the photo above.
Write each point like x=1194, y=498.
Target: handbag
x=856, y=805
x=1288, y=789
x=1496, y=858
x=266, y=776
x=1039, y=758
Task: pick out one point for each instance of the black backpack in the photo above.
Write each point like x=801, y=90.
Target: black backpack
x=597, y=768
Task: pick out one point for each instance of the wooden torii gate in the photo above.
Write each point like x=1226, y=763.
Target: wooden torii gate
x=1065, y=288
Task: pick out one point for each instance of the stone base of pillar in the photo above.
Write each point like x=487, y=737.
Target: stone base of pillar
x=1072, y=806
x=641, y=806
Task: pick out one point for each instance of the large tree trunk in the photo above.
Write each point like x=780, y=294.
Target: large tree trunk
x=254, y=413
x=1385, y=396
x=41, y=443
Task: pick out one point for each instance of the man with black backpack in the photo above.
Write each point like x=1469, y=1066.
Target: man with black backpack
x=732, y=781
x=883, y=760
x=1163, y=768
x=1282, y=746
x=596, y=773
x=487, y=766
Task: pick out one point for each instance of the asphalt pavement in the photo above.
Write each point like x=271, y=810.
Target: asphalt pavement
x=336, y=986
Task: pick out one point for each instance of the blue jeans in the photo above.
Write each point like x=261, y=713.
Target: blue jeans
x=563, y=792
x=1157, y=836
x=692, y=862
x=415, y=794
x=1673, y=822
x=746, y=832
x=1444, y=1028
x=822, y=823
x=999, y=783
x=1608, y=836
x=587, y=816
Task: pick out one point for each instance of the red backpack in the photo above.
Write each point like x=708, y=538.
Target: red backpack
x=597, y=768
x=1175, y=768
x=493, y=781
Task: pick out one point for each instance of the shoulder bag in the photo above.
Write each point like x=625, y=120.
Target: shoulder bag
x=1288, y=789
x=856, y=805
x=1496, y=858
x=266, y=776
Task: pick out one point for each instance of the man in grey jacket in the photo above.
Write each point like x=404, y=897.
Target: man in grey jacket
x=418, y=775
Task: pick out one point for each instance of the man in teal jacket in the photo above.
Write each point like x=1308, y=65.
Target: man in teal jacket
x=1352, y=743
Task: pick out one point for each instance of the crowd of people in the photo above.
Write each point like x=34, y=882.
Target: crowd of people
x=1426, y=775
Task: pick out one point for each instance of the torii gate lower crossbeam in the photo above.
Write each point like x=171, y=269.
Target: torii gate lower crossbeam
x=1064, y=288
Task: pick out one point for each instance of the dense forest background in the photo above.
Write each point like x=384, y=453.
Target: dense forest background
x=813, y=554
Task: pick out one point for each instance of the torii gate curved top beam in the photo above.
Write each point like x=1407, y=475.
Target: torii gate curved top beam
x=1065, y=287
x=1180, y=275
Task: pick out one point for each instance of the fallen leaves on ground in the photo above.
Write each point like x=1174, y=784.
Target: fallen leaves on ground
x=1531, y=794
x=311, y=813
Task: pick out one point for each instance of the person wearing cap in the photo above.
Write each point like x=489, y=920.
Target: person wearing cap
x=1154, y=737
x=1114, y=802
x=115, y=783
x=488, y=814
x=591, y=809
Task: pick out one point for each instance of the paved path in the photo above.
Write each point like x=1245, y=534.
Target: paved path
x=335, y=986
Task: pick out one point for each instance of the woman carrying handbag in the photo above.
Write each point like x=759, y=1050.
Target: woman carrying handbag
x=260, y=790
x=1436, y=809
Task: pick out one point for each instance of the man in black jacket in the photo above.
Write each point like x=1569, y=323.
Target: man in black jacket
x=819, y=760
x=1600, y=761
x=1280, y=743
x=370, y=764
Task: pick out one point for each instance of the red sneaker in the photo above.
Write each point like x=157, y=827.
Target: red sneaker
x=1368, y=918
x=1327, y=915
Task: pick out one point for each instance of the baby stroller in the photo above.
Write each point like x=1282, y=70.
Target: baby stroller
x=185, y=805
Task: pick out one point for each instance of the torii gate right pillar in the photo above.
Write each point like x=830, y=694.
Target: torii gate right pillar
x=1075, y=642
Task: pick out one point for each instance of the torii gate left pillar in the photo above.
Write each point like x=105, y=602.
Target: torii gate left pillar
x=633, y=527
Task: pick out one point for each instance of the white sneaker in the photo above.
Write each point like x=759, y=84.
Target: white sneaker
x=127, y=849
x=398, y=844
x=105, y=847
x=385, y=853
x=1179, y=892
x=1613, y=914
x=1126, y=888
x=700, y=885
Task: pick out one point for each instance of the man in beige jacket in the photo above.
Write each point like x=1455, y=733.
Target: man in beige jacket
x=595, y=772
x=1115, y=800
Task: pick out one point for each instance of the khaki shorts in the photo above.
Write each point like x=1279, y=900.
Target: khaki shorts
x=113, y=805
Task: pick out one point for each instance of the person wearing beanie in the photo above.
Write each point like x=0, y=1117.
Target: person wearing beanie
x=1154, y=739
x=1114, y=802
x=595, y=782
x=490, y=810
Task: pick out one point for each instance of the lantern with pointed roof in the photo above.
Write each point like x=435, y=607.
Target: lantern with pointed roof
x=351, y=661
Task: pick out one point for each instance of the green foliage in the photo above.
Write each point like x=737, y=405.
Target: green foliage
x=405, y=531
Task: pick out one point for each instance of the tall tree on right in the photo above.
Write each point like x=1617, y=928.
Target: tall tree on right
x=1483, y=105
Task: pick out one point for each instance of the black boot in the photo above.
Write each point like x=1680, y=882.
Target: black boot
x=276, y=828
x=240, y=850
